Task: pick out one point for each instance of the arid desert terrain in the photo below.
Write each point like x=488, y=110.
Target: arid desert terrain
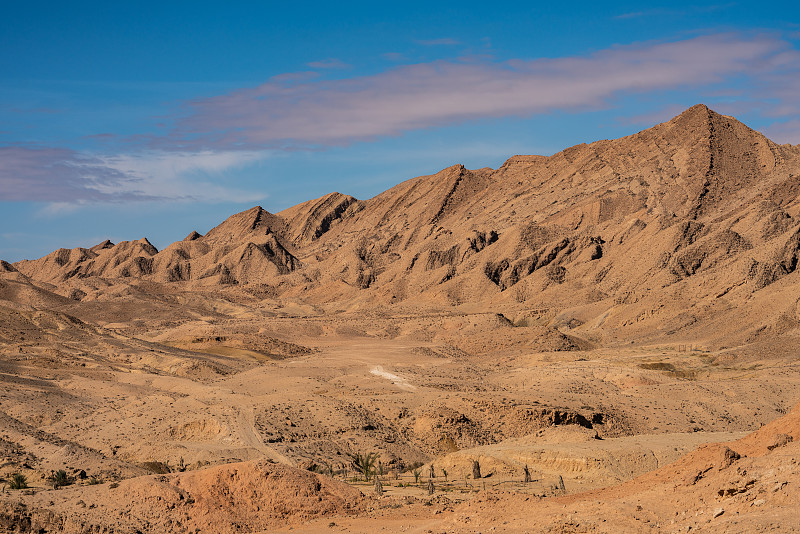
x=609, y=335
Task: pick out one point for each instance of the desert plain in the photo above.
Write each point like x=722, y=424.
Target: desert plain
x=609, y=335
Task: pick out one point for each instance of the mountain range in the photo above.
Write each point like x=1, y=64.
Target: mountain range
x=688, y=230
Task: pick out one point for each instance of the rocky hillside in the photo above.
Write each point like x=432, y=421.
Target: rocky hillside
x=687, y=229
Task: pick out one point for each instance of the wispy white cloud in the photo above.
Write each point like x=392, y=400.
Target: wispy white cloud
x=56, y=209
x=680, y=12
x=294, y=77
x=331, y=63
x=410, y=97
x=68, y=180
x=442, y=41
x=55, y=174
x=182, y=175
x=631, y=15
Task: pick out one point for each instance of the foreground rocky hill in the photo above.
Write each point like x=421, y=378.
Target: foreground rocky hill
x=748, y=485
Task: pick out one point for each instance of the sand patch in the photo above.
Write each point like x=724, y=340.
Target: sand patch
x=400, y=382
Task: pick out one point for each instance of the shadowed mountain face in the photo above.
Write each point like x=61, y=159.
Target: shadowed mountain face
x=688, y=229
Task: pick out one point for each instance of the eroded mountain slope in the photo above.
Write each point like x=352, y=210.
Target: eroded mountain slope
x=673, y=231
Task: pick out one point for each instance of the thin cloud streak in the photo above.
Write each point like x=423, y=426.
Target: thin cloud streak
x=687, y=11
x=332, y=63
x=68, y=180
x=55, y=174
x=174, y=175
x=443, y=41
x=411, y=97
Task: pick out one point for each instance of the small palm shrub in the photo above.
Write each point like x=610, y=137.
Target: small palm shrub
x=59, y=479
x=417, y=474
x=18, y=481
x=364, y=463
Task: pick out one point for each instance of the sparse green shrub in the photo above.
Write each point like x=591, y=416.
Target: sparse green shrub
x=417, y=474
x=59, y=479
x=18, y=481
x=94, y=481
x=364, y=463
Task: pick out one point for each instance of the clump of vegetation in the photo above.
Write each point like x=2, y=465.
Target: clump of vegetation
x=60, y=479
x=94, y=481
x=417, y=474
x=364, y=463
x=18, y=481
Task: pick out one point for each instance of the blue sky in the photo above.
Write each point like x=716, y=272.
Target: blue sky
x=125, y=120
